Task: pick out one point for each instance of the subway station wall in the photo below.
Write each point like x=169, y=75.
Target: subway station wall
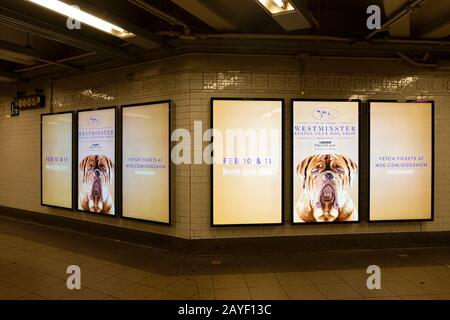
x=190, y=81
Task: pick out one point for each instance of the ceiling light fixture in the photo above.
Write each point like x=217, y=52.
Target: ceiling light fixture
x=16, y=57
x=277, y=6
x=280, y=3
x=84, y=17
x=285, y=14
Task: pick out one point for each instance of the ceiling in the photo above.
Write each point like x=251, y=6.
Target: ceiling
x=35, y=43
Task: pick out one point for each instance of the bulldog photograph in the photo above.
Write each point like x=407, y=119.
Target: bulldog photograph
x=325, y=183
x=97, y=180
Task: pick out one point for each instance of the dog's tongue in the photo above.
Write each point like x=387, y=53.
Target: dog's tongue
x=96, y=190
x=327, y=193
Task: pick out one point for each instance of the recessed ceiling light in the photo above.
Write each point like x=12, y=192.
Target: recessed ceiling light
x=83, y=17
x=277, y=6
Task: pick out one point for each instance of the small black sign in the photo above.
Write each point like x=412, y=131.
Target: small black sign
x=15, y=111
x=34, y=101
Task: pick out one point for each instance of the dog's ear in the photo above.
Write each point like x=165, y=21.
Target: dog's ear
x=302, y=169
x=110, y=165
x=109, y=162
x=83, y=165
x=352, y=168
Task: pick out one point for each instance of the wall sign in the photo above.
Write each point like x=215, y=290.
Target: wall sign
x=35, y=101
x=15, y=111
x=56, y=160
x=401, y=161
x=97, y=161
x=247, y=169
x=146, y=162
x=325, y=161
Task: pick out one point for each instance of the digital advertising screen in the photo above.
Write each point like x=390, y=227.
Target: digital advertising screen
x=401, y=161
x=56, y=159
x=325, y=161
x=146, y=162
x=247, y=162
x=96, y=161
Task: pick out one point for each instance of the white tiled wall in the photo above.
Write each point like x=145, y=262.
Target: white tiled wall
x=190, y=81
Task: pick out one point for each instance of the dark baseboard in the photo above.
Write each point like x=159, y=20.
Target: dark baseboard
x=248, y=245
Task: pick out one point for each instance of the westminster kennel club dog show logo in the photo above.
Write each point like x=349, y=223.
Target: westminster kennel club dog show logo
x=95, y=121
x=325, y=164
x=325, y=114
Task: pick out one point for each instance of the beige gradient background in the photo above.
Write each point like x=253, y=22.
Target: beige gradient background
x=107, y=146
x=348, y=113
x=146, y=134
x=400, y=129
x=247, y=199
x=57, y=141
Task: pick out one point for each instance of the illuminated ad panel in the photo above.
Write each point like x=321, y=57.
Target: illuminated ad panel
x=96, y=161
x=325, y=161
x=146, y=162
x=401, y=161
x=56, y=160
x=247, y=168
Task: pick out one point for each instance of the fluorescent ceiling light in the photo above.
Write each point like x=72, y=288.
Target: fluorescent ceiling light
x=280, y=3
x=16, y=57
x=7, y=76
x=83, y=17
x=277, y=6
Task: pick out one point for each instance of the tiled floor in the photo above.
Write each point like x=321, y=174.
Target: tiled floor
x=34, y=259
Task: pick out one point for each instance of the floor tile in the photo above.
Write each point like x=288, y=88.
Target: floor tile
x=232, y=293
x=293, y=278
x=412, y=273
x=353, y=275
x=53, y=268
x=445, y=296
x=338, y=291
x=159, y=281
x=31, y=296
x=184, y=287
x=92, y=277
x=134, y=275
x=261, y=280
x=53, y=292
x=433, y=286
x=229, y=281
x=385, y=298
x=205, y=281
x=403, y=287
x=111, y=285
x=268, y=293
x=135, y=292
x=361, y=288
x=303, y=292
x=84, y=294
x=419, y=297
x=9, y=292
x=163, y=295
x=324, y=277
x=206, y=294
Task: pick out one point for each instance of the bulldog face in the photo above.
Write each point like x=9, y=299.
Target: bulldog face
x=98, y=173
x=326, y=181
